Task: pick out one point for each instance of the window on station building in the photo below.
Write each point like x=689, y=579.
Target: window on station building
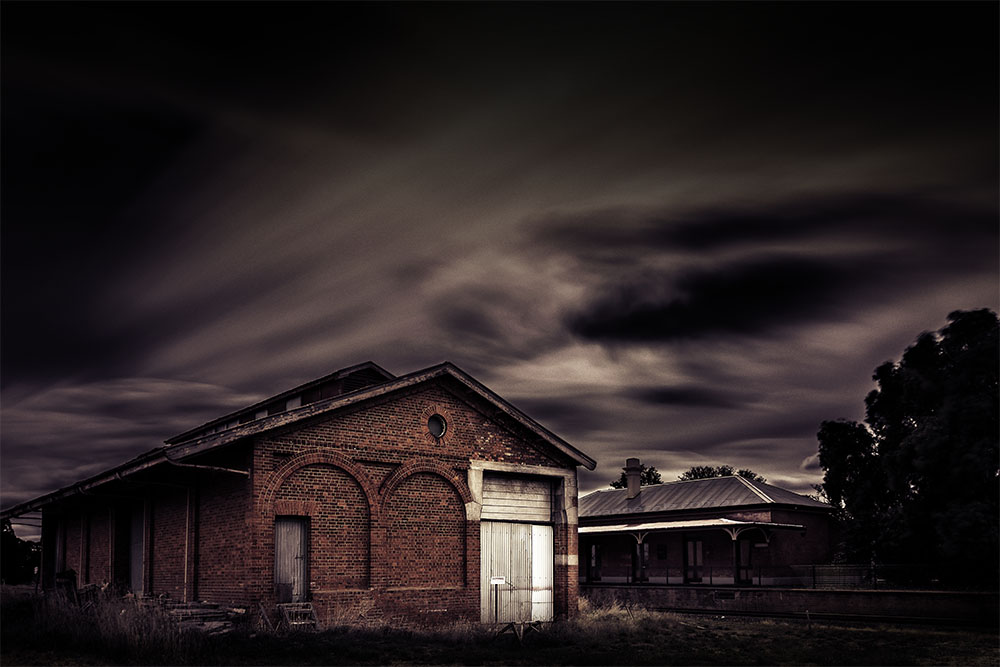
x=693, y=561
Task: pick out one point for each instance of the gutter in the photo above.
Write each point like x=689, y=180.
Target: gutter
x=167, y=459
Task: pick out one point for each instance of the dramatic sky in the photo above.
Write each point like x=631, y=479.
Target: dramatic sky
x=683, y=232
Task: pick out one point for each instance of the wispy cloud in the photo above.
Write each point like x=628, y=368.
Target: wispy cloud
x=678, y=232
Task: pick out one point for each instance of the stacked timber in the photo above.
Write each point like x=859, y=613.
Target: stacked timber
x=201, y=616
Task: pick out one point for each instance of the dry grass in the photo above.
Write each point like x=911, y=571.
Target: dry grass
x=116, y=632
x=113, y=630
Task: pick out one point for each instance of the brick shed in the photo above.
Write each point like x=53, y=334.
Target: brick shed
x=367, y=494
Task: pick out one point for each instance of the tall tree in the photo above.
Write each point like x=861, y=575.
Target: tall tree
x=704, y=472
x=920, y=482
x=854, y=484
x=18, y=558
x=647, y=476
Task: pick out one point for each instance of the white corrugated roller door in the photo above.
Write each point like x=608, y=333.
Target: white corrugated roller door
x=542, y=579
x=520, y=553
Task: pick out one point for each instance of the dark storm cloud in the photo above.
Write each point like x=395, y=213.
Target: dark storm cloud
x=914, y=218
x=907, y=220
x=195, y=215
x=836, y=251
x=688, y=395
x=110, y=420
x=742, y=299
x=567, y=414
x=478, y=313
x=68, y=181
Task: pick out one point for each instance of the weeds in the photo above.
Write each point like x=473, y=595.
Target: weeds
x=119, y=629
x=50, y=631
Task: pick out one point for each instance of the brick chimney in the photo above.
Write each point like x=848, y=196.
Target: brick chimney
x=633, y=470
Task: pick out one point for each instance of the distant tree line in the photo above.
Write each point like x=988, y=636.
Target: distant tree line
x=649, y=475
x=704, y=472
x=919, y=481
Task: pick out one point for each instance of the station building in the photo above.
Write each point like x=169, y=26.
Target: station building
x=702, y=532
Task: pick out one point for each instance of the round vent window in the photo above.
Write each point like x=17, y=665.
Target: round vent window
x=436, y=425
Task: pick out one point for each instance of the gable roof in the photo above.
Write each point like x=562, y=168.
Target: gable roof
x=201, y=440
x=343, y=381
x=223, y=431
x=694, y=494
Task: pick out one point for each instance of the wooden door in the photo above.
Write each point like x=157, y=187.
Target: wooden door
x=291, y=566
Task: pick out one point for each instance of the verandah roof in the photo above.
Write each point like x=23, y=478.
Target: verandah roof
x=689, y=524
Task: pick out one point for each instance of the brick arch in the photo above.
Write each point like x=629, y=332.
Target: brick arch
x=429, y=466
x=279, y=476
x=424, y=519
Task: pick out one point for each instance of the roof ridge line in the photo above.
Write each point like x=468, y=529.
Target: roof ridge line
x=753, y=488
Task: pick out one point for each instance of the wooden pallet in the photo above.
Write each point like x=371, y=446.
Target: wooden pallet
x=299, y=616
x=201, y=616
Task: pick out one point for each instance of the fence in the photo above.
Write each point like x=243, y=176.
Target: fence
x=847, y=576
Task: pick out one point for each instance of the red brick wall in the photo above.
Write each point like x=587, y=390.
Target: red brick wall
x=167, y=542
x=386, y=501
x=86, y=542
x=566, y=573
x=423, y=559
x=395, y=430
x=792, y=548
x=338, y=526
x=74, y=553
x=425, y=525
x=223, y=540
x=99, y=571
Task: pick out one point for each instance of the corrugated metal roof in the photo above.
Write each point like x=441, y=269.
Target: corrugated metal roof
x=695, y=494
x=685, y=525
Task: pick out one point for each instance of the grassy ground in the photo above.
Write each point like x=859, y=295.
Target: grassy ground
x=35, y=632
